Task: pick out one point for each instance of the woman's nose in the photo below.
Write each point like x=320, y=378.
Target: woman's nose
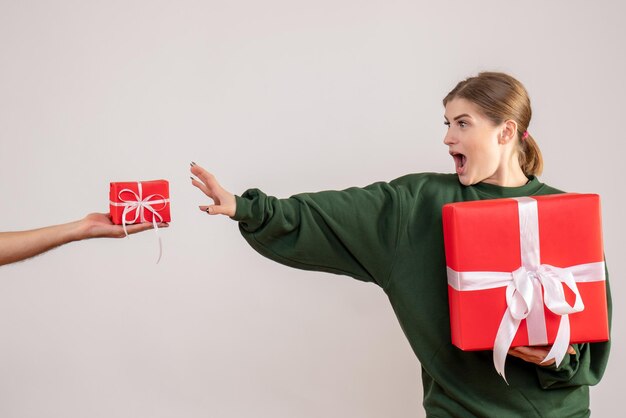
x=448, y=139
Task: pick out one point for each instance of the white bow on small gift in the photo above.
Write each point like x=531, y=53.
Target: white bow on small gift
x=139, y=205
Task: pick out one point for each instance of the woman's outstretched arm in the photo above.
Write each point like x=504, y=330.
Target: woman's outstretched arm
x=351, y=232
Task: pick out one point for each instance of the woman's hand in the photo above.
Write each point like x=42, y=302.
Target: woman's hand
x=536, y=354
x=224, y=202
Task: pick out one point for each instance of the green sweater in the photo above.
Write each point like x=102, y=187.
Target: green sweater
x=391, y=234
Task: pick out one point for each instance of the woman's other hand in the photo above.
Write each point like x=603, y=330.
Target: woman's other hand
x=536, y=354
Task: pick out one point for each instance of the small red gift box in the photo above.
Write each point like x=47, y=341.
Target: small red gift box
x=525, y=271
x=138, y=202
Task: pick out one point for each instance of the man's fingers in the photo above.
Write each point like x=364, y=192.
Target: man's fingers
x=133, y=229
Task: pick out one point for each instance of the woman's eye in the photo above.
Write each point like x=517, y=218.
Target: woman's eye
x=462, y=124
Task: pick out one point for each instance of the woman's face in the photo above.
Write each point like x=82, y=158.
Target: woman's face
x=473, y=142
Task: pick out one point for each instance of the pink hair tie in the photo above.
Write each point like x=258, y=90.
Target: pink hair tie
x=524, y=135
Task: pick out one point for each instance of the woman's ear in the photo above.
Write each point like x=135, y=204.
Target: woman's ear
x=508, y=132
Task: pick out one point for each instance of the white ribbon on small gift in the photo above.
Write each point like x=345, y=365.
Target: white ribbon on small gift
x=524, y=296
x=140, y=205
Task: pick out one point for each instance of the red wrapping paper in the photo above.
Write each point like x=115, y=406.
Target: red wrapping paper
x=153, y=194
x=484, y=236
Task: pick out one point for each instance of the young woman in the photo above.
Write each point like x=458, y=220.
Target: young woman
x=391, y=234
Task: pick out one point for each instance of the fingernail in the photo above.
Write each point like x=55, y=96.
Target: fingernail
x=192, y=179
x=192, y=163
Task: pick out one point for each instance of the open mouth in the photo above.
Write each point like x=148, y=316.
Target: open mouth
x=459, y=162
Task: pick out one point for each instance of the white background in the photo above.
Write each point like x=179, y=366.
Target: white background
x=288, y=96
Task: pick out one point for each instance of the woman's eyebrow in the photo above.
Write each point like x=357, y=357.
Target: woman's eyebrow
x=458, y=117
x=464, y=115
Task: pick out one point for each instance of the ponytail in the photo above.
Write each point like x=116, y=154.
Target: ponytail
x=530, y=158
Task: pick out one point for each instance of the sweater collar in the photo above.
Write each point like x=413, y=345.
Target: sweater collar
x=495, y=191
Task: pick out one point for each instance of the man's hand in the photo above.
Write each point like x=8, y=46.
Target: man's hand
x=20, y=245
x=99, y=225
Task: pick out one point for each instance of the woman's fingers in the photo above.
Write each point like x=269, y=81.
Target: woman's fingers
x=212, y=209
x=206, y=182
x=216, y=194
x=531, y=354
x=536, y=354
x=225, y=203
x=202, y=187
x=207, y=178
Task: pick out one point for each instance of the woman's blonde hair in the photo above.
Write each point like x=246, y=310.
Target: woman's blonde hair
x=501, y=97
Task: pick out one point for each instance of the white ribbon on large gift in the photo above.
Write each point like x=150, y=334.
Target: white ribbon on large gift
x=140, y=205
x=524, y=297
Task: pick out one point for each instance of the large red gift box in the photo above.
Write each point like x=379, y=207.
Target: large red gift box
x=507, y=256
x=138, y=202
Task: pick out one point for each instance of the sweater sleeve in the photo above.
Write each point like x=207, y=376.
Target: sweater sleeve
x=352, y=232
x=586, y=367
